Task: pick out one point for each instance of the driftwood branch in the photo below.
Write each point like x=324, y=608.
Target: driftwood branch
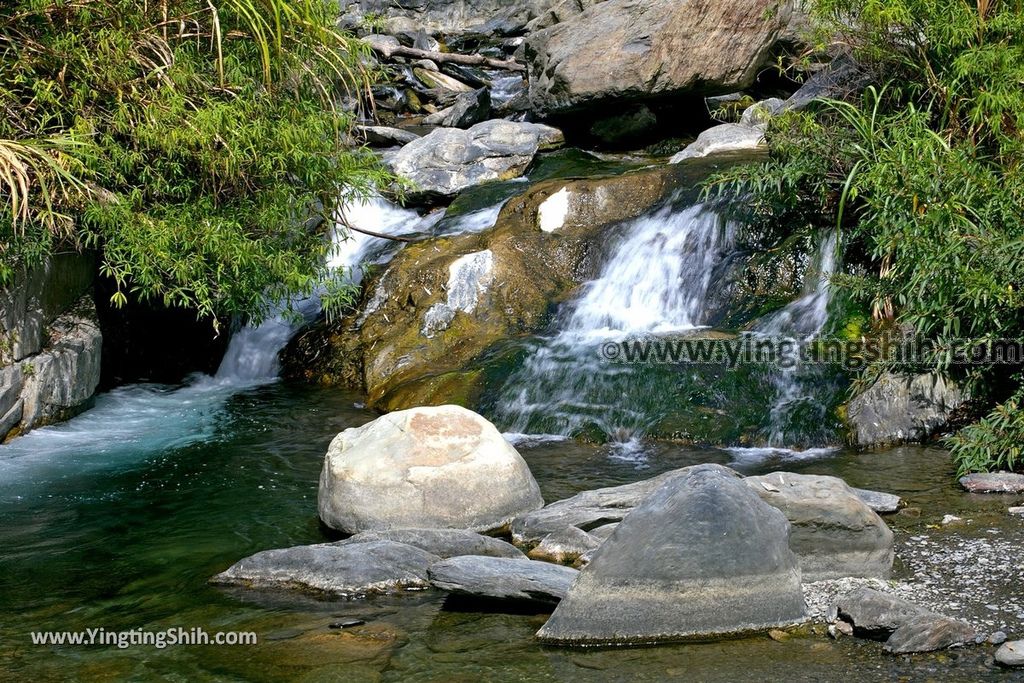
x=389, y=51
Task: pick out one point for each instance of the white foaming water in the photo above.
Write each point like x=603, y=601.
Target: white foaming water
x=799, y=322
x=477, y=221
x=252, y=355
x=655, y=282
x=147, y=418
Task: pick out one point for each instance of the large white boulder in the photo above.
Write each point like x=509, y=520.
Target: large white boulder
x=431, y=467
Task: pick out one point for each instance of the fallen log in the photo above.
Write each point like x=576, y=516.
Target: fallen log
x=389, y=51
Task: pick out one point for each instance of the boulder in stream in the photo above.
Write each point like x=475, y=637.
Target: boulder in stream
x=993, y=482
x=349, y=570
x=444, y=543
x=1011, y=653
x=496, y=578
x=901, y=408
x=834, y=533
x=702, y=557
x=450, y=159
x=565, y=546
x=442, y=466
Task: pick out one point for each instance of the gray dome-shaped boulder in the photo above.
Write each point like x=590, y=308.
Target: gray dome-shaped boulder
x=702, y=557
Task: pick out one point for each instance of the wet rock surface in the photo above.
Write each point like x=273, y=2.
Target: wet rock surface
x=503, y=578
x=899, y=408
x=349, y=570
x=993, y=482
x=450, y=159
x=444, y=543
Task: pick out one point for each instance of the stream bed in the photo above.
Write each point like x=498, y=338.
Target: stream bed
x=125, y=535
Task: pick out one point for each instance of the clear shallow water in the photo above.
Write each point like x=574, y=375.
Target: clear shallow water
x=131, y=541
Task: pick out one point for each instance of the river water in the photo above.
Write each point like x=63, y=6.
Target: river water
x=130, y=542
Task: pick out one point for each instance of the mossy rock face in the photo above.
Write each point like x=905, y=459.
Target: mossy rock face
x=761, y=278
x=427, y=325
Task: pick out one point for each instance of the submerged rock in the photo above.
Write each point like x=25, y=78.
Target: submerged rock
x=439, y=466
x=349, y=570
x=901, y=408
x=701, y=557
x=882, y=503
x=444, y=543
x=626, y=50
x=904, y=626
x=834, y=533
x=565, y=546
x=449, y=159
x=993, y=482
x=503, y=578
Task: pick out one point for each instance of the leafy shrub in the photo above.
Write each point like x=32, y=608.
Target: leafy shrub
x=922, y=174
x=194, y=143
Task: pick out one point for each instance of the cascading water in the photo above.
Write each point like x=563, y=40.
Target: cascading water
x=656, y=282
x=147, y=418
x=252, y=355
x=797, y=397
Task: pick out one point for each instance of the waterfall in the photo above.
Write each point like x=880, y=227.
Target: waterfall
x=798, y=323
x=655, y=282
x=138, y=419
x=252, y=354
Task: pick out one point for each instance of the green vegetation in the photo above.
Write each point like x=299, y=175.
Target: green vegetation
x=196, y=144
x=924, y=175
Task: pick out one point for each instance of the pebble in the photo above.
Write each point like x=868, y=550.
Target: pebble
x=997, y=638
x=1011, y=653
x=949, y=519
x=1019, y=510
x=348, y=623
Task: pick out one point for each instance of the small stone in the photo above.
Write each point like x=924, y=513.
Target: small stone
x=779, y=636
x=840, y=629
x=348, y=623
x=1011, y=653
x=1019, y=510
x=949, y=519
x=997, y=638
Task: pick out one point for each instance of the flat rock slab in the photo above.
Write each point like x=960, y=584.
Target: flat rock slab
x=834, y=533
x=499, y=578
x=565, y=546
x=703, y=557
x=882, y=503
x=1011, y=653
x=929, y=632
x=904, y=626
x=350, y=570
x=993, y=482
x=586, y=510
x=444, y=543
